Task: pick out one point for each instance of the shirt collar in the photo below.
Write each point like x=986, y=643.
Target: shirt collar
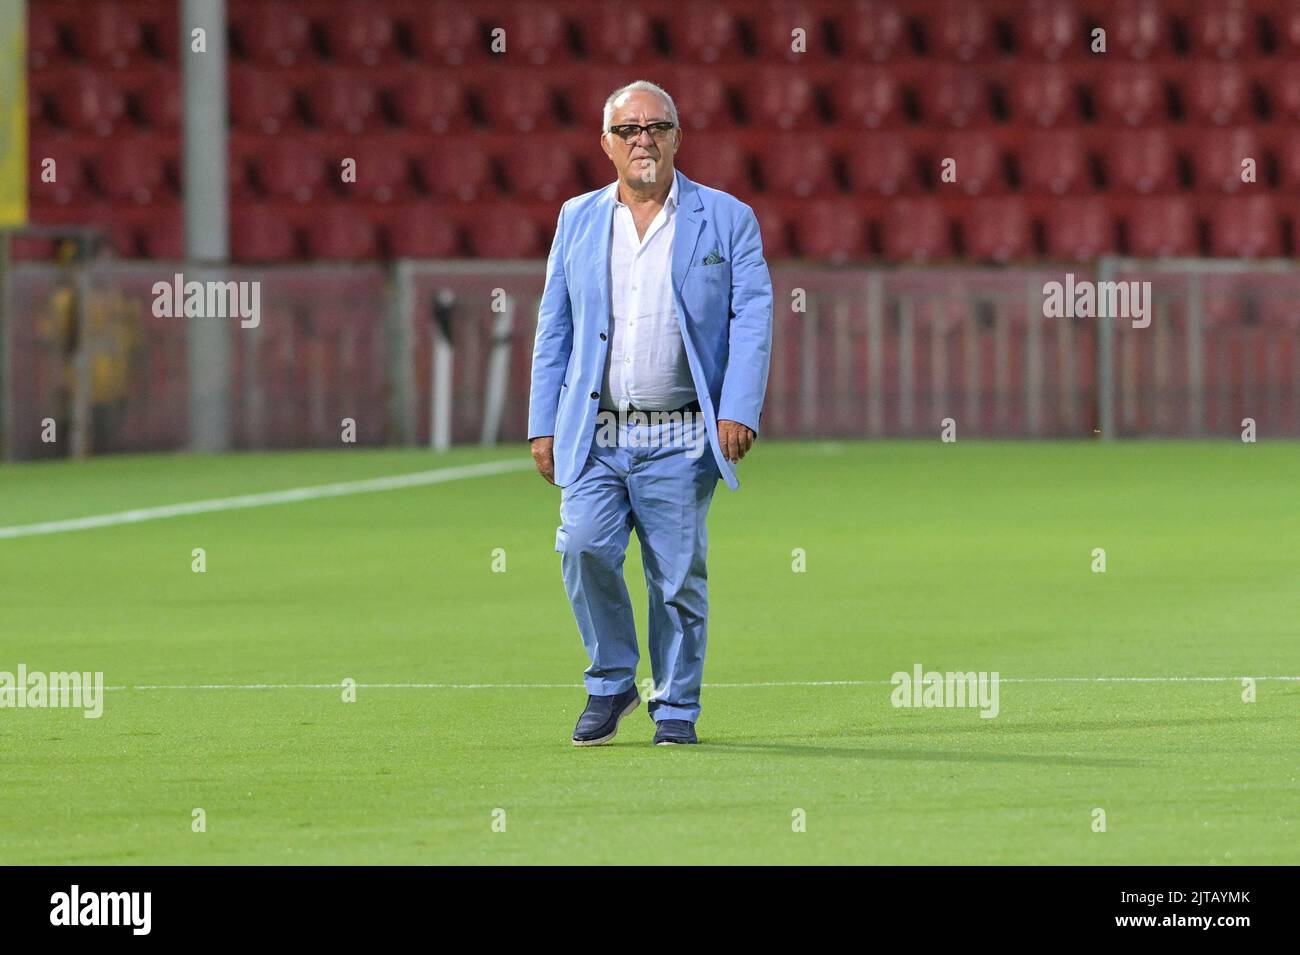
x=672, y=193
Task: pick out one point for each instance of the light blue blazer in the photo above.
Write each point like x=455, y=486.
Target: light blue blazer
x=724, y=310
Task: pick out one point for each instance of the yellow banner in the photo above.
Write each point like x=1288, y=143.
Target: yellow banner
x=13, y=113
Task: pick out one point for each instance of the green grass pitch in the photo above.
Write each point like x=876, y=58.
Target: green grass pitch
x=969, y=556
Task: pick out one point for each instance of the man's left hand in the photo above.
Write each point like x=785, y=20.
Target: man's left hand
x=735, y=438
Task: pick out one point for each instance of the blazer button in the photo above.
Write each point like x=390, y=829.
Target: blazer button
x=602, y=336
x=595, y=394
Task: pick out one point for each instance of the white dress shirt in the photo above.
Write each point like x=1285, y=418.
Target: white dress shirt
x=646, y=363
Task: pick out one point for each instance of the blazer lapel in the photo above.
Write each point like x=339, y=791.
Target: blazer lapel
x=686, y=235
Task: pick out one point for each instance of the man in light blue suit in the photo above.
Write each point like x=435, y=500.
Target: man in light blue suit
x=649, y=370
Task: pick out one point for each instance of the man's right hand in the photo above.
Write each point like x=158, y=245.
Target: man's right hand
x=543, y=449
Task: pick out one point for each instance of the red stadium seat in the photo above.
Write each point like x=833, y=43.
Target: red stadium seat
x=1284, y=92
x=382, y=171
x=1223, y=29
x=722, y=165
x=916, y=230
x=164, y=235
x=958, y=29
x=261, y=101
x=358, y=33
x=44, y=39
x=1049, y=29
x=1043, y=94
x=1160, y=227
x=446, y=32
x=1217, y=93
x=797, y=165
x=703, y=33
x=132, y=169
x=89, y=101
x=1288, y=27
x=1055, y=163
x=864, y=96
x=156, y=92
x=781, y=97
x=997, y=229
x=341, y=232
x=423, y=231
x=831, y=230
x=774, y=23
x=1245, y=227
x=619, y=34
x=1079, y=229
x=346, y=101
x=289, y=168
x=498, y=231
x=535, y=33
x=879, y=164
x=953, y=95
x=978, y=157
x=1136, y=29
x=1217, y=155
x=1288, y=156
x=1132, y=94
x=427, y=100
x=525, y=105
x=546, y=170
x=1143, y=162
x=70, y=183
x=271, y=32
x=872, y=30
x=771, y=226
x=259, y=233
x=456, y=169
x=105, y=34
x=699, y=93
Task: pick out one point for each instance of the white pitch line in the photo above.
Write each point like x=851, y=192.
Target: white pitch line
x=707, y=686
x=363, y=486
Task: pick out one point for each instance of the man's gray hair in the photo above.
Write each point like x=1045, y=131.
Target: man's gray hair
x=638, y=85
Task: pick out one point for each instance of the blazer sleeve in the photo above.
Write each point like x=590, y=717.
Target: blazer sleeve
x=750, y=337
x=553, y=343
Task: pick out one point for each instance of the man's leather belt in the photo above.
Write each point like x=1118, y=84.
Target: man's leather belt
x=689, y=406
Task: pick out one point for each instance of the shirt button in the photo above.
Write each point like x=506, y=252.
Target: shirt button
x=602, y=336
x=595, y=394
x=627, y=360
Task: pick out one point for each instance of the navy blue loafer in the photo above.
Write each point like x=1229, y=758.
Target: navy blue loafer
x=669, y=732
x=599, y=721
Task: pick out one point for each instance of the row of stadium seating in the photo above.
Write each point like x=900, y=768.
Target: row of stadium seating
x=775, y=97
x=398, y=167
x=835, y=230
x=373, y=32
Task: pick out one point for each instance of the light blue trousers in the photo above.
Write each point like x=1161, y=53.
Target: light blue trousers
x=663, y=492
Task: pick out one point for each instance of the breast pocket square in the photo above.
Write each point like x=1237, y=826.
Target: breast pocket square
x=713, y=258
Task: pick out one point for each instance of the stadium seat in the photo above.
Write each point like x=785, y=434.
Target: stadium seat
x=796, y=165
x=290, y=169
x=1131, y=94
x=871, y=30
x=953, y=95
x=546, y=170
x=425, y=231
x=771, y=226
x=1049, y=29
x=164, y=234
x=1143, y=162
x=1078, y=229
x=1244, y=227
x=446, y=32
x=997, y=229
x=1288, y=161
x=70, y=185
x=916, y=230
x=497, y=230
x=87, y=100
x=831, y=230
x=1284, y=91
x=1136, y=29
x=1222, y=29
x=342, y=100
x=1160, y=227
x=358, y=33
x=271, y=32
x=105, y=34
x=774, y=23
x=1217, y=93
x=879, y=164
x=1287, y=25
x=382, y=170
x=1055, y=163
x=156, y=93
x=700, y=93
x=261, y=101
x=455, y=168
x=525, y=105
x=957, y=29
x=1043, y=94
x=132, y=169
x=535, y=33
x=260, y=233
x=428, y=101
x=722, y=165
x=341, y=231
x=44, y=36
x=1217, y=156
x=780, y=98
x=978, y=158
x=864, y=96
x=703, y=33
x=618, y=34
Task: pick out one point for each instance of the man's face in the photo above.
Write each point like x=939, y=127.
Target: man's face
x=647, y=159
